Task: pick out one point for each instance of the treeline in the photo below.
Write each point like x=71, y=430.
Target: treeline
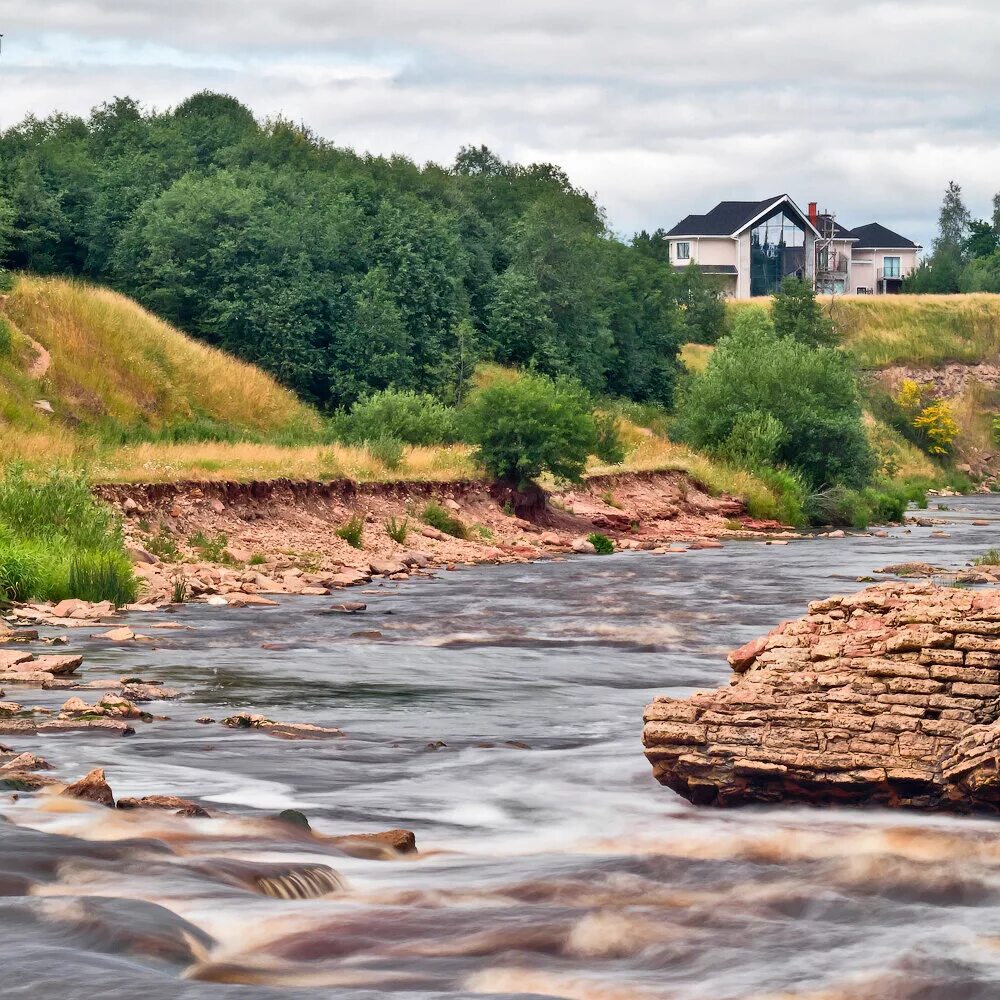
x=343, y=274
x=966, y=252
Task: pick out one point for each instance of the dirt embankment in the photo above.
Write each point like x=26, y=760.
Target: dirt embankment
x=280, y=536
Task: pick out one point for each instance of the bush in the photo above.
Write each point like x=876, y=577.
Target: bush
x=931, y=419
x=387, y=450
x=21, y=571
x=531, y=424
x=801, y=403
x=352, y=532
x=991, y=557
x=397, y=530
x=6, y=341
x=796, y=313
x=410, y=417
x=210, y=549
x=601, y=543
x=857, y=508
x=437, y=517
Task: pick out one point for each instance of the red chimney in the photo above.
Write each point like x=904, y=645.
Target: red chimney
x=812, y=212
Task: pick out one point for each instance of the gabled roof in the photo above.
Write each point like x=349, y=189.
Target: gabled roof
x=839, y=232
x=876, y=237
x=731, y=217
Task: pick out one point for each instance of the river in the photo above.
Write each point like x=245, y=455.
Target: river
x=499, y=717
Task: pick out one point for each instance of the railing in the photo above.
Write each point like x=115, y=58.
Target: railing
x=832, y=263
x=892, y=273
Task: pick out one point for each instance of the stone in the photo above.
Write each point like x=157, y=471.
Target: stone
x=704, y=543
x=183, y=806
x=121, y=634
x=347, y=578
x=93, y=787
x=386, y=567
x=393, y=841
x=348, y=608
x=584, y=546
x=550, y=538
x=139, y=555
x=13, y=658
x=58, y=666
x=27, y=762
x=870, y=699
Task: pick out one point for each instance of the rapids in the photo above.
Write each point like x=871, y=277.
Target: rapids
x=499, y=717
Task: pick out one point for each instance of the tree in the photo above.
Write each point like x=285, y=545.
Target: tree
x=530, y=424
x=953, y=222
x=982, y=240
x=800, y=403
x=796, y=313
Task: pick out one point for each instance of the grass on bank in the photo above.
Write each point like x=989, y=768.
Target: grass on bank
x=122, y=374
x=57, y=541
x=918, y=330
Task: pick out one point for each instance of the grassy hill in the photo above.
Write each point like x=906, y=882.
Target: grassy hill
x=918, y=330
x=111, y=371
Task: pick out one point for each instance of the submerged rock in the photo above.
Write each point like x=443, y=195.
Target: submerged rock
x=890, y=696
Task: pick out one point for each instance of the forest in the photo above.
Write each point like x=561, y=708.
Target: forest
x=344, y=274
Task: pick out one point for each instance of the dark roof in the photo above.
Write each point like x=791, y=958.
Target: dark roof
x=839, y=232
x=710, y=268
x=726, y=218
x=873, y=236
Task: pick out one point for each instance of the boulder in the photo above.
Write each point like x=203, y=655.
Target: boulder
x=887, y=697
x=58, y=666
x=584, y=546
x=139, y=555
x=348, y=608
x=172, y=802
x=93, y=787
x=386, y=567
x=121, y=634
x=387, y=842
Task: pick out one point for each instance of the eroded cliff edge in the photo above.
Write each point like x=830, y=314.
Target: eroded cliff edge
x=890, y=697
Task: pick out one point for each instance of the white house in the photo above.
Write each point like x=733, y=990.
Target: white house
x=751, y=246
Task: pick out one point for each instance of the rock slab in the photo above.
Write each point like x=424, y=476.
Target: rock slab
x=887, y=697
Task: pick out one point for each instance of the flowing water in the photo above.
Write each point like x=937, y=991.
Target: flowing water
x=499, y=717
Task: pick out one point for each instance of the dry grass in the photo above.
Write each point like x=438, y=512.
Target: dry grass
x=695, y=357
x=923, y=330
x=115, y=363
x=975, y=408
x=245, y=462
x=898, y=458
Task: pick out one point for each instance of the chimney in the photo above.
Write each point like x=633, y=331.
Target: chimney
x=813, y=215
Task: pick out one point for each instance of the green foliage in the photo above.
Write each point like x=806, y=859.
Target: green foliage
x=601, y=543
x=438, y=517
x=178, y=589
x=397, y=529
x=758, y=382
x=387, y=449
x=352, y=532
x=343, y=274
x=991, y=557
x=609, y=447
x=163, y=545
x=6, y=341
x=410, y=417
x=57, y=541
x=857, y=508
x=796, y=313
x=210, y=549
x=531, y=424
x=103, y=576
x=258, y=559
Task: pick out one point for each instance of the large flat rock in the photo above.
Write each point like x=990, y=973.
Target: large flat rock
x=890, y=696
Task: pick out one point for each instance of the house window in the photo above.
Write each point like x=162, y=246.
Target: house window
x=683, y=251
x=890, y=267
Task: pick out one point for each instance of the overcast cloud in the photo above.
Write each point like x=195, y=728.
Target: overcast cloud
x=659, y=107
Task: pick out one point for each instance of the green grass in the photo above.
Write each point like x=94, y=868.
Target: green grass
x=352, y=532
x=210, y=549
x=437, y=517
x=397, y=530
x=991, y=557
x=57, y=541
x=601, y=543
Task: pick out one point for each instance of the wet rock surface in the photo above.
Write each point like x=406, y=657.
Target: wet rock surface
x=890, y=696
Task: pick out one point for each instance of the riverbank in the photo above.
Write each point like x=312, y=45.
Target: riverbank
x=257, y=540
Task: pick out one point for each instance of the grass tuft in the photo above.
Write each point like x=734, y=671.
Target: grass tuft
x=352, y=532
x=437, y=517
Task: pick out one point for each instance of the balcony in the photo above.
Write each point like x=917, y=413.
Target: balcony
x=831, y=262
x=891, y=273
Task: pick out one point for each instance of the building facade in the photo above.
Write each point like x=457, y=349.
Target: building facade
x=750, y=247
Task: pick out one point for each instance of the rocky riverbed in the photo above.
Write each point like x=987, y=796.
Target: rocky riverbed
x=492, y=712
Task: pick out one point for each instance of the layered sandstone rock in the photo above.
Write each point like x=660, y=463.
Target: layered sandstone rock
x=890, y=696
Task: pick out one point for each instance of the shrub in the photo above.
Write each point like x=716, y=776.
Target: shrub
x=21, y=571
x=437, y=517
x=410, y=417
x=178, y=589
x=397, y=530
x=6, y=341
x=601, y=543
x=531, y=424
x=352, y=532
x=931, y=419
x=609, y=447
x=991, y=557
x=387, y=450
x=796, y=313
x=758, y=381
x=163, y=546
x=258, y=559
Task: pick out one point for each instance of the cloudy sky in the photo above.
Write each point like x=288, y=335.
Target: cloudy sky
x=660, y=107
